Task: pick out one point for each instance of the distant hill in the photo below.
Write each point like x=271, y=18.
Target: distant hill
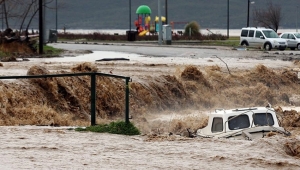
x=114, y=14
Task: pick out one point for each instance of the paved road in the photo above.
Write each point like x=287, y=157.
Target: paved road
x=180, y=50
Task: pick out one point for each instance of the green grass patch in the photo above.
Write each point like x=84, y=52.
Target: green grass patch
x=119, y=127
x=3, y=54
x=234, y=38
x=231, y=43
x=52, y=50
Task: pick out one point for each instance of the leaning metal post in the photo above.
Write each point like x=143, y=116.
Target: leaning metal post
x=93, y=99
x=127, y=100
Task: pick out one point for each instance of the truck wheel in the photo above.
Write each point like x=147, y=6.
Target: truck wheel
x=268, y=46
x=244, y=43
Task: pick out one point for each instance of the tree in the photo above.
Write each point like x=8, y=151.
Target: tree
x=192, y=29
x=21, y=13
x=269, y=18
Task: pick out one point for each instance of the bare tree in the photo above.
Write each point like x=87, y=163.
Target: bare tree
x=269, y=17
x=8, y=6
x=21, y=13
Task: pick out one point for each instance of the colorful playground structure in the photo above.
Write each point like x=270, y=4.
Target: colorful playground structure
x=143, y=22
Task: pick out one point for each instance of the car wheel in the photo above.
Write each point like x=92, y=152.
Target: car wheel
x=292, y=48
x=298, y=46
x=244, y=43
x=268, y=46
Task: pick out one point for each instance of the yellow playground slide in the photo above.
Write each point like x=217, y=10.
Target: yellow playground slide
x=143, y=33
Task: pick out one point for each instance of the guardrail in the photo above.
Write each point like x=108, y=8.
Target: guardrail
x=93, y=88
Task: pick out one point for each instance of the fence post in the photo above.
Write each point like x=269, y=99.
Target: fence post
x=127, y=101
x=93, y=99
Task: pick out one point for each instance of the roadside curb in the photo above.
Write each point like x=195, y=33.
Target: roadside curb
x=148, y=44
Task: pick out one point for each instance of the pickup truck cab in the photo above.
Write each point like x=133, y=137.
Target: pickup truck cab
x=262, y=37
x=242, y=123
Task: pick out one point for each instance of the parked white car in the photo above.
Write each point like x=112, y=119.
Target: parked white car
x=262, y=37
x=292, y=38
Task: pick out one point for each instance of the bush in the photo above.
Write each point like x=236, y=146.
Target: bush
x=193, y=28
x=119, y=127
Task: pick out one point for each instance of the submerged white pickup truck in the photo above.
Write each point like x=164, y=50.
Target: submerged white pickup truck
x=242, y=123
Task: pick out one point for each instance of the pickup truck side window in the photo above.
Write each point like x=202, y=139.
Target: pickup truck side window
x=251, y=33
x=285, y=36
x=291, y=36
x=258, y=34
x=217, y=125
x=244, y=33
x=239, y=122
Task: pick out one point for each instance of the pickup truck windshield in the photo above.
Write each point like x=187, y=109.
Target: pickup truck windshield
x=263, y=119
x=297, y=35
x=270, y=34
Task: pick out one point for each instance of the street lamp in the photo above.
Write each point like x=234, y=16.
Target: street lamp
x=297, y=19
x=166, y=10
x=2, y=15
x=252, y=2
x=41, y=27
x=227, y=18
x=160, y=23
x=56, y=15
x=129, y=15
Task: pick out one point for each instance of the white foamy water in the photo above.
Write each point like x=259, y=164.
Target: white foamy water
x=92, y=57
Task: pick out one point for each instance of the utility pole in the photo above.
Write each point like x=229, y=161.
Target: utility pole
x=166, y=8
x=56, y=15
x=41, y=35
x=227, y=18
x=129, y=15
x=2, y=16
x=160, y=24
x=248, y=13
x=297, y=18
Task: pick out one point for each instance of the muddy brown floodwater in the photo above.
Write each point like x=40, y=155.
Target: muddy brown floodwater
x=172, y=89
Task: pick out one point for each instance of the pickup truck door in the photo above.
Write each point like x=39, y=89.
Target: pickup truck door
x=291, y=41
x=259, y=39
x=251, y=38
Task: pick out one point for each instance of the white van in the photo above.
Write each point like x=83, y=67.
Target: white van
x=262, y=37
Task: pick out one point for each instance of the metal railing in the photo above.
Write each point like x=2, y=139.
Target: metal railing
x=93, y=88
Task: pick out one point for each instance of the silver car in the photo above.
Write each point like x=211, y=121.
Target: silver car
x=293, y=39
